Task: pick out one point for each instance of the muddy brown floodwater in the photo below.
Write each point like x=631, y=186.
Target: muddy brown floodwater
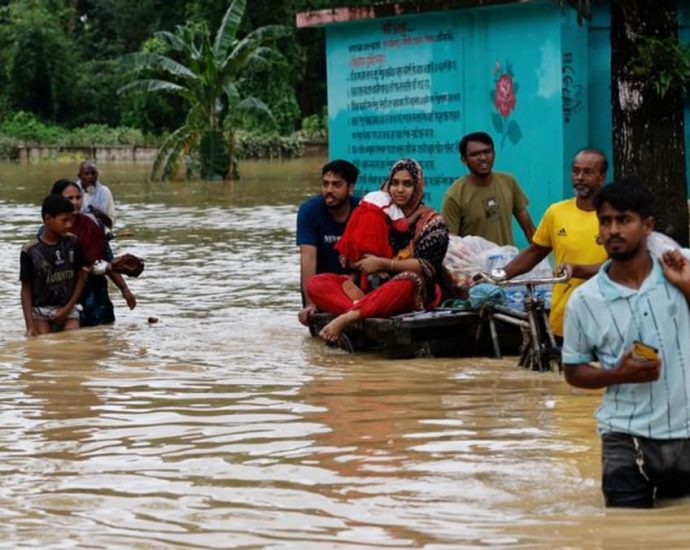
x=225, y=425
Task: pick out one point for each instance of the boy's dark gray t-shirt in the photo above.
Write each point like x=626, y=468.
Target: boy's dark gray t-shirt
x=51, y=269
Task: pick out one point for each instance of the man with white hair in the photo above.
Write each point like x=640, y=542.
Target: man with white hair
x=98, y=200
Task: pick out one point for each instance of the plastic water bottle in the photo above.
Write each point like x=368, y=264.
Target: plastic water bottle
x=496, y=261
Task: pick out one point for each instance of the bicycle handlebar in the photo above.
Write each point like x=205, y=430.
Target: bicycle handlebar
x=516, y=281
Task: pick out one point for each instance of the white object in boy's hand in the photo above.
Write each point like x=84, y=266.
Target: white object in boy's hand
x=100, y=267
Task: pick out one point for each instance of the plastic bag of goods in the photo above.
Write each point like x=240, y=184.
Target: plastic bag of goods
x=465, y=257
x=658, y=244
x=498, y=257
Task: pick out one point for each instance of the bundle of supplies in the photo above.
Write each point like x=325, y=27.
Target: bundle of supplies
x=470, y=255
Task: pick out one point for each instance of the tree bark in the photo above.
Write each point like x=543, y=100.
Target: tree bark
x=648, y=135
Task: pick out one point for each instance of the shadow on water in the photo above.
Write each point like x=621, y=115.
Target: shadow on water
x=225, y=425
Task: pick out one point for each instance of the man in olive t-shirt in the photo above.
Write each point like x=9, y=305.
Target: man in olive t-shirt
x=483, y=202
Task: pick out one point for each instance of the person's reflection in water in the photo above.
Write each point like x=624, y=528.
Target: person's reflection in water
x=56, y=376
x=373, y=415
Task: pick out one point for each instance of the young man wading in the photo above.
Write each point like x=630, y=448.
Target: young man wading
x=633, y=318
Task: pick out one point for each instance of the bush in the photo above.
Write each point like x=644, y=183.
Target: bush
x=258, y=146
x=315, y=123
x=100, y=134
x=315, y=128
x=42, y=59
x=9, y=148
x=25, y=127
x=309, y=136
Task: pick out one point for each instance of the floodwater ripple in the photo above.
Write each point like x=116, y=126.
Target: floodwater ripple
x=224, y=425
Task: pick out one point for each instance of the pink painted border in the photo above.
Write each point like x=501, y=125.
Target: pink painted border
x=318, y=18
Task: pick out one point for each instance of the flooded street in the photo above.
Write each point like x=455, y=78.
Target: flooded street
x=225, y=425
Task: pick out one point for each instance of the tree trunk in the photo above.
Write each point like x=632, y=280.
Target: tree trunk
x=648, y=137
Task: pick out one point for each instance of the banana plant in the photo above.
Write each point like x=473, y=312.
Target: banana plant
x=207, y=71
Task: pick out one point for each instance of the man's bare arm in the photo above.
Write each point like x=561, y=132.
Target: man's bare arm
x=62, y=313
x=120, y=283
x=628, y=371
x=307, y=264
x=27, y=307
x=677, y=270
x=579, y=271
x=307, y=269
x=451, y=214
x=526, y=260
x=526, y=224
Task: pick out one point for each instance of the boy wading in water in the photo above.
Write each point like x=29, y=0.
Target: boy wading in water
x=51, y=272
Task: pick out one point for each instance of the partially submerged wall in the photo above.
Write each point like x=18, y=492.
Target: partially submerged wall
x=96, y=153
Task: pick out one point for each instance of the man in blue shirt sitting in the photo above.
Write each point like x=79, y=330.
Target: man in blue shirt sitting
x=321, y=221
x=633, y=318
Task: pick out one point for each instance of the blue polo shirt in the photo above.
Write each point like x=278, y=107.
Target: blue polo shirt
x=316, y=227
x=603, y=319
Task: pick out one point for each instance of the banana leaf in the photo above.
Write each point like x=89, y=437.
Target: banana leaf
x=213, y=153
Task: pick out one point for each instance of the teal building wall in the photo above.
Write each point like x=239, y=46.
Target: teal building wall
x=528, y=74
x=599, y=81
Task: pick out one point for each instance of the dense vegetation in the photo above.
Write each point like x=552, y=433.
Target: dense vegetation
x=206, y=70
x=61, y=68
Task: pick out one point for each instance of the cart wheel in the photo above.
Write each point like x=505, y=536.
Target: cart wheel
x=524, y=360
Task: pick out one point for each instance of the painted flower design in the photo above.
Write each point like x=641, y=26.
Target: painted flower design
x=504, y=100
x=505, y=95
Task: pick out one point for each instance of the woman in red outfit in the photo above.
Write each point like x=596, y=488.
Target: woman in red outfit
x=415, y=269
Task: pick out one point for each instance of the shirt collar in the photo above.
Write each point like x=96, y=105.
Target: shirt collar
x=614, y=291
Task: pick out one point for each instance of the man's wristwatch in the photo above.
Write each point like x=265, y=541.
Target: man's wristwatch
x=498, y=275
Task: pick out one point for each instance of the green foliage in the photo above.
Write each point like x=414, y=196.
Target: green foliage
x=25, y=128
x=40, y=59
x=315, y=128
x=261, y=146
x=100, y=134
x=273, y=84
x=206, y=71
x=664, y=62
x=213, y=155
x=152, y=114
x=60, y=61
x=315, y=123
x=134, y=21
x=172, y=152
x=9, y=148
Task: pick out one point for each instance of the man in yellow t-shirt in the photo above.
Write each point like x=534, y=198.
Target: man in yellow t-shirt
x=571, y=229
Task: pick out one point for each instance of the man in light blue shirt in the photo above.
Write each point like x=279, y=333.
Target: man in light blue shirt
x=644, y=418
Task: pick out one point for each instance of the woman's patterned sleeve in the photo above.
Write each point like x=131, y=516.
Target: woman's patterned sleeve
x=432, y=245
